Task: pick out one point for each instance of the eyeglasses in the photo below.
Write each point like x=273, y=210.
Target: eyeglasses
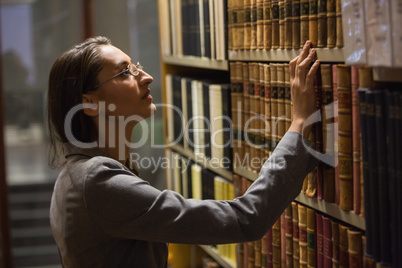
x=133, y=69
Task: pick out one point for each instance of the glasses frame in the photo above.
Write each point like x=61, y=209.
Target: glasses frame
x=128, y=70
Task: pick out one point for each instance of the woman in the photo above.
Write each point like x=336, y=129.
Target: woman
x=102, y=214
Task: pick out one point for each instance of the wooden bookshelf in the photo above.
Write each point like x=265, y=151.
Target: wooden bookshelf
x=196, y=62
x=383, y=74
x=285, y=55
x=330, y=209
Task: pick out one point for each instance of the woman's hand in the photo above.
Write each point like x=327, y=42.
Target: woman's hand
x=302, y=88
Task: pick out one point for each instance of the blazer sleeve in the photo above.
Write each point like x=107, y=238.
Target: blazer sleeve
x=127, y=207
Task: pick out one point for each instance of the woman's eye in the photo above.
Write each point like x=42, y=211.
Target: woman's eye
x=126, y=71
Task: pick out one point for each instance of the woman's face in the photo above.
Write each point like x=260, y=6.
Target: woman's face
x=125, y=95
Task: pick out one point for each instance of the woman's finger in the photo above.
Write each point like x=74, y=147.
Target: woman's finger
x=292, y=68
x=311, y=74
x=304, y=52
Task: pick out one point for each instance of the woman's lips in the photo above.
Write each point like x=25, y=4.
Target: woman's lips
x=147, y=95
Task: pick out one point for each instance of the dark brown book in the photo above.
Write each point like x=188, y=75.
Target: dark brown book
x=339, y=28
x=246, y=111
x=282, y=24
x=231, y=23
x=318, y=132
x=322, y=23
x=275, y=24
x=288, y=24
x=250, y=128
x=328, y=132
x=247, y=24
x=267, y=24
x=276, y=243
x=239, y=25
x=238, y=121
x=296, y=24
x=343, y=247
x=336, y=129
x=260, y=24
x=335, y=243
x=281, y=116
x=313, y=22
x=289, y=236
x=264, y=255
x=253, y=19
x=345, y=141
x=304, y=22
x=267, y=113
x=274, y=106
x=257, y=254
x=331, y=23
x=311, y=238
x=355, y=248
x=288, y=99
x=295, y=223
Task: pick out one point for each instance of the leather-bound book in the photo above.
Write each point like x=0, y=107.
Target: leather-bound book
x=318, y=132
x=281, y=116
x=331, y=23
x=339, y=28
x=335, y=244
x=328, y=131
x=275, y=24
x=267, y=24
x=276, y=243
x=247, y=24
x=345, y=144
x=355, y=248
x=267, y=114
x=260, y=24
x=304, y=22
x=274, y=106
x=313, y=22
x=322, y=23
x=282, y=24
x=289, y=236
x=296, y=24
x=311, y=238
x=288, y=24
x=343, y=247
x=239, y=25
x=253, y=19
x=246, y=106
x=296, y=246
x=327, y=241
x=303, y=235
x=288, y=99
x=320, y=240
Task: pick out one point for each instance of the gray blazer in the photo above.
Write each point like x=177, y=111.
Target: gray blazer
x=102, y=215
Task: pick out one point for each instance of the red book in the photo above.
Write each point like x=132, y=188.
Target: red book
x=356, y=139
x=319, y=239
x=327, y=241
x=318, y=132
x=269, y=249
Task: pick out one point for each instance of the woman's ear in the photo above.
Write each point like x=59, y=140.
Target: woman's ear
x=90, y=105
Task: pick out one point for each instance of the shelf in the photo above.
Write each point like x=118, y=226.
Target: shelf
x=384, y=74
x=226, y=263
x=325, y=207
x=203, y=162
x=197, y=62
x=285, y=55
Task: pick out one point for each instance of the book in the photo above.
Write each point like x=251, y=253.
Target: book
x=343, y=246
x=267, y=109
x=353, y=24
x=288, y=24
x=238, y=25
x=331, y=23
x=178, y=114
x=355, y=248
x=232, y=19
x=328, y=131
x=311, y=238
x=274, y=105
x=276, y=243
x=165, y=33
x=283, y=238
x=356, y=139
x=267, y=24
x=313, y=22
x=304, y=22
x=321, y=23
x=281, y=101
x=282, y=35
x=379, y=42
x=339, y=29
x=246, y=113
x=196, y=181
x=289, y=236
x=275, y=24
x=345, y=144
x=253, y=19
x=205, y=120
x=396, y=21
x=296, y=24
x=336, y=131
x=335, y=243
x=247, y=24
x=288, y=99
x=177, y=31
x=319, y=240
x=318, y=127
x=327, y=242
x=295, y=223
x=260, y=24
x=302, y=215
x=269, y=249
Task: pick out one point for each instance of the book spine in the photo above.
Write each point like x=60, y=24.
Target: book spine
x=260, y=24
x=356, y=139
x=336, y=130
x=283, y=239
x=289, y=236
x=335, y=244
x=276, y=243
x=345, y=146
x=331, y=23
x=275, y=24
x=343, y=246
x=318, y=132
x=274, y=106
x=253, y=18
x=313, y=22
x=247, y=25
x=296, y=24
x=281, y=116
x=327, y=242
x=328, y=131
x=246, y=117
x=282, y=35
x=257, y=254
x=226, y=150
x=239, y=25
x=302, y=210
x=322, y=23
x=311, y=238
x=339, y=29
x=231, y=24
x=320, y=240
x=295, y=223
x=355, y=248
x=267, y=100
x=288, y=99
x=304, y=22
x=269, y=249
x=288, y=24
x=267, y=24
